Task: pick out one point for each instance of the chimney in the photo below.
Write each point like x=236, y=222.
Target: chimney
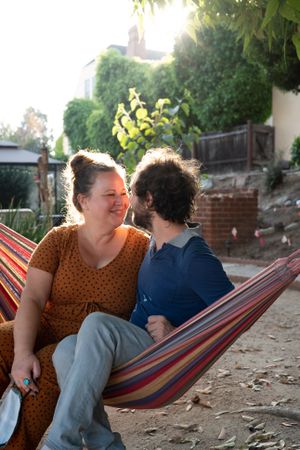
x=136, y=45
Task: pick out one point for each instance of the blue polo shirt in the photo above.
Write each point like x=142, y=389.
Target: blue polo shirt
x=179, y=280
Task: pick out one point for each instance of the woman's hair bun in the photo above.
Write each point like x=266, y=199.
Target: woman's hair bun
x=79, y=161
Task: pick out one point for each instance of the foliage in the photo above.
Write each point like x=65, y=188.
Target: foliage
x=114, y=76
x=7, y=133
x=274, y=176
x=139, y=129
x=99, y=132
x=27, y=225
x=15, y=186
x=264, y=20
x=281, y=63
x=226, y=89
x=76, y=114
x=163, y=81
x=58, y=152
x=295, y=152
x=269, y=30
x=32, y=133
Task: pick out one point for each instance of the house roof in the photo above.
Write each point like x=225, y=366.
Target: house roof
x=8, y=144
x=10, y=153
x=149, y=54
x=121, y=48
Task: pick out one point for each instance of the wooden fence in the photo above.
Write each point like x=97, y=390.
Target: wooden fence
x=243, y=148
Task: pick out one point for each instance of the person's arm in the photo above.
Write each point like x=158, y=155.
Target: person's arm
x=203, y=274
x=158, y=327
x=34, y=297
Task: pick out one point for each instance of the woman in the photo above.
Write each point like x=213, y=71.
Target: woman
x=88, y=265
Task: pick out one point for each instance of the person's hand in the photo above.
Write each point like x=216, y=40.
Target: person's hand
x=26, y=367
x=158, y=327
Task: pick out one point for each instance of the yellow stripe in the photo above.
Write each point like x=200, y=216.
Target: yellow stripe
x=167, y=374
x=16, y=259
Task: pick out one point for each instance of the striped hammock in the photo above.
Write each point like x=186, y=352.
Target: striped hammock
x=166, y=370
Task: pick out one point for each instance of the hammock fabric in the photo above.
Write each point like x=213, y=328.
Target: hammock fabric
x=166, y=370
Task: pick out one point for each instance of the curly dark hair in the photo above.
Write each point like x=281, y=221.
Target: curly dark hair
x=172, y=182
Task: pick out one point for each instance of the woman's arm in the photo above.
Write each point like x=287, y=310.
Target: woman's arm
x=34, y=297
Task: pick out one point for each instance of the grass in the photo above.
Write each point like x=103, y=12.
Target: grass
x=25, y=222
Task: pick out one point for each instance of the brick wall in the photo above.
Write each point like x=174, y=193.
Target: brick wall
x=221, y=211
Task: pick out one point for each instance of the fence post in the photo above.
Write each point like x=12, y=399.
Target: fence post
x=249, y=145
x=194, y=150
x=44, y=191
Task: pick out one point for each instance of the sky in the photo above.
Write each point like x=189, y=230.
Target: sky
x=45, y=43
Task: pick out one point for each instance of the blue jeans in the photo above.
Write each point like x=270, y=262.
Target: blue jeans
x=83, y=363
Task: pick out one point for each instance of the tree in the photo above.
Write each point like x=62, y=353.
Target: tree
x=226, y=89
x=32, y=133
x=115, y=75
x=272, y=25
x=281, y=63
x=76, y=114
x=264, y=19
x=58, y=151
x=163, y=81
x=99, y=128
x=7, y=133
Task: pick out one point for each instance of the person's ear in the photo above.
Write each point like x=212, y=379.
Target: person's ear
x=82, y=200
x=149, y=200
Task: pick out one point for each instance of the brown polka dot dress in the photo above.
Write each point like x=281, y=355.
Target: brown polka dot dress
x=77, y=290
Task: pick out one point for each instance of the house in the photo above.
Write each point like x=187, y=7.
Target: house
x=286, y=121
x=136, y=48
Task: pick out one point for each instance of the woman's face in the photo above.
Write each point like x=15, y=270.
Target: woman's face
x=107, y=201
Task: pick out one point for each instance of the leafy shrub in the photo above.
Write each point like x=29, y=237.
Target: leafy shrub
x=295, y=152
x=15, y=185
x=138, y=129
x=274, y=176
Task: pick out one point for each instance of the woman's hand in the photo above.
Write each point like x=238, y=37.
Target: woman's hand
x=158, y=327
x=26, y=367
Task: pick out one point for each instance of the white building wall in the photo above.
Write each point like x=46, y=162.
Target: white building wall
x=286, y=120
x=86, y=83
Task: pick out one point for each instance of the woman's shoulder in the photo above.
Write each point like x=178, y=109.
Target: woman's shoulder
x=136, y=234
x=65, y=230
x=137, y=244
x=62, y=233
x=137, y=240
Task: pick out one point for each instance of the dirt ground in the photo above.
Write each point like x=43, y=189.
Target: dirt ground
x=278, y=216
x=261, y=368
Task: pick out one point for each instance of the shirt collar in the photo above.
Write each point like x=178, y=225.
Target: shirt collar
x=192, y=230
